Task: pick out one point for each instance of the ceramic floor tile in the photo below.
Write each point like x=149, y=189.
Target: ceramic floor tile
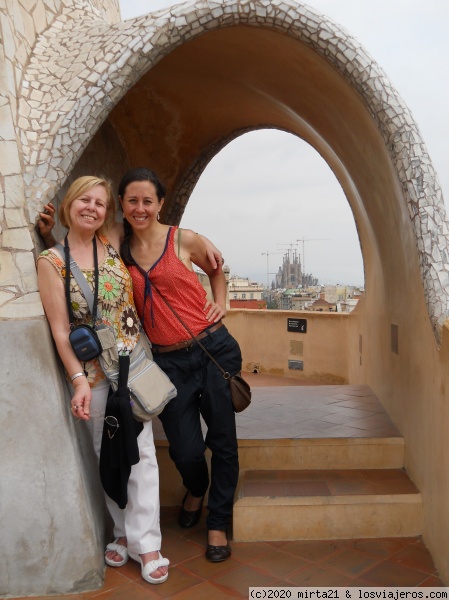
x=178, y=581
x=206, y=591
x=204, y=569
x=415, y=557
x=131, y=590
x=317, y=576
x=351, y=487
x=240, y=579
x=393, y=574
x=250, y=551
x=313, y=550
x=382, y=547
x=279, y=564
x=395, y=487
x=351, y=413
x=432, y=581
x=264, y=475
x=344, y=431
x=299, y=563
x=306, y=488
x=351, y=562
x=262, y=488
x=386, y=474
x=311, y=434
x=344, y=474
x=317, y=425
x=303, y=475
x=337, y=419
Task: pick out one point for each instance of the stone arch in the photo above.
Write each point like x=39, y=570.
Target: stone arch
x=78, y=92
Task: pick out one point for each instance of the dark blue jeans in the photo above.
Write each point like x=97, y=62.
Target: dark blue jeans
x=203, y=390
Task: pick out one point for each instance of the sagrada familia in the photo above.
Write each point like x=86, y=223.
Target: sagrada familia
x=84, y=92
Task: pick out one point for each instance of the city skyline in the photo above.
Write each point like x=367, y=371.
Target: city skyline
x=269, y=187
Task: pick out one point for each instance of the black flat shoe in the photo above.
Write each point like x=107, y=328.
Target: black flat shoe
x=189, y=518
x=218, y=553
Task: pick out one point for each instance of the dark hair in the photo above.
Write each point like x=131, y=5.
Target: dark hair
x=141, y=174
x=138, y=174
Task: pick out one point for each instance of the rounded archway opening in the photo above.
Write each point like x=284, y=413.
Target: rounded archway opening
x=268, y=194
x=230, y=81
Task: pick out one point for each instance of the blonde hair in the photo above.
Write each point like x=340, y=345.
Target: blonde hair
x=79, y=187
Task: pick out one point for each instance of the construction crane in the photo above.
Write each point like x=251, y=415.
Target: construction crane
x=267, y=254
x=290, y=248
x=304, y=240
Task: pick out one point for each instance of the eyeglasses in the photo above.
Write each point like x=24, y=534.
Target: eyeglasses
x=109, y=419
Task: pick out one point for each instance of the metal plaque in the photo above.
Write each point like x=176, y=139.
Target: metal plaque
x=298, y=325
x=296, y=364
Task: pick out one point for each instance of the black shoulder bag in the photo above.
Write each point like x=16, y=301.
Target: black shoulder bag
x=83, y=338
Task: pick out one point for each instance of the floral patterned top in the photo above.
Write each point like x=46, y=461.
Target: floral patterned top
x=115, y=300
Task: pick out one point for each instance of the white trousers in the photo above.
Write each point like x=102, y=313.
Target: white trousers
x=139, y=521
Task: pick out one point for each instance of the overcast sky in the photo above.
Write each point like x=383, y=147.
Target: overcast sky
x=276, y=189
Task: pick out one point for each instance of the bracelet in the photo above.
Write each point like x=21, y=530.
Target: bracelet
x=73, y=377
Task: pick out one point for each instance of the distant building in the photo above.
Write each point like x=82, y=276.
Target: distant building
x=241, y=288
x=290, y=275
x=240, y=293
x=244, y=293
x=344, y=296
x=322, y=305
x=347, y=306
x=252, y=304
x=302, y=301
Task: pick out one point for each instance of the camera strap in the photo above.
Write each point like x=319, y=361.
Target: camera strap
x=91, y=299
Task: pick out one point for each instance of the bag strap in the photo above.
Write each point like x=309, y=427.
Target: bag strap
x=91, y=299
x=225, y=374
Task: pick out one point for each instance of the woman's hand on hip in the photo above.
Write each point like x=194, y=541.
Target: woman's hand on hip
x=214, y=311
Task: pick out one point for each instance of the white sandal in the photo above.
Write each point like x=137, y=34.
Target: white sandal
x=152, y=566
x=120, y=549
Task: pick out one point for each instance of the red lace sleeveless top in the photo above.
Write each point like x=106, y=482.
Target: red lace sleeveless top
x=179, y=286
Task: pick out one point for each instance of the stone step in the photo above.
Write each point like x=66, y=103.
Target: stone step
x=273, y=505
x=322, y=453
x=316, y=453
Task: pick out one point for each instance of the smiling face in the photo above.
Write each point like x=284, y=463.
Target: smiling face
x=93, y=197
x=88, y=211
x=140, y=204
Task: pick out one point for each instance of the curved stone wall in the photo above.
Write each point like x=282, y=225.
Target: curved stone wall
x=72, y=83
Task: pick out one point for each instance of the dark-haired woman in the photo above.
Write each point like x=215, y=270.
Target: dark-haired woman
x=160, y=260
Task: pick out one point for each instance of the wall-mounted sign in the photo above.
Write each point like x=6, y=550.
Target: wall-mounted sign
x=298, y=325
x=296, y=364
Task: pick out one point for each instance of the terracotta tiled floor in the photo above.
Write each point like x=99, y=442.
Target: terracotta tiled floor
x=291, y=408
x=398, y=562
x=288, y=408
